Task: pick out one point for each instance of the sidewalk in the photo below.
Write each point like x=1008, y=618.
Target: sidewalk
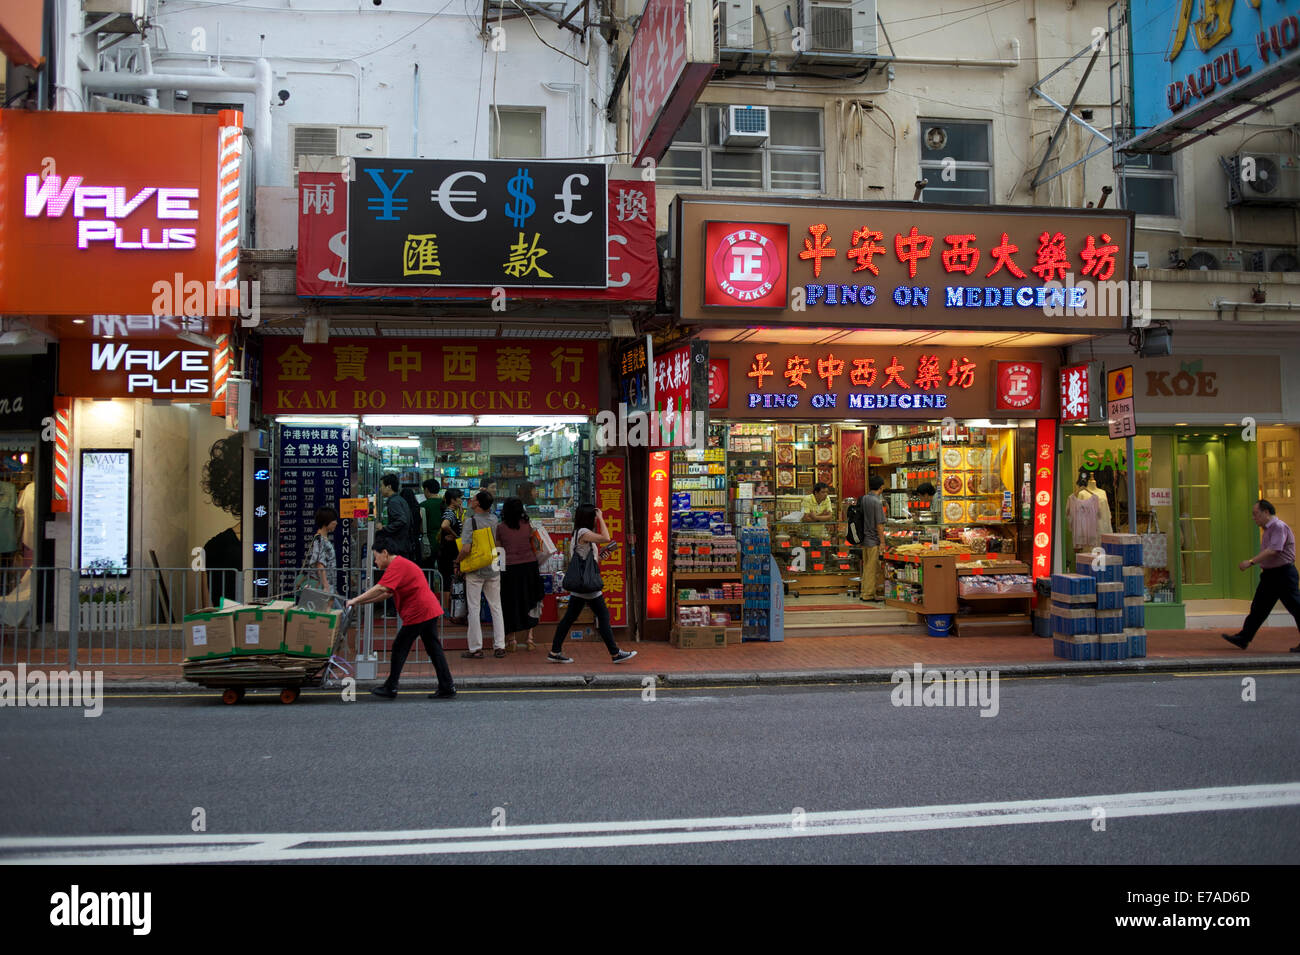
x=804, y=659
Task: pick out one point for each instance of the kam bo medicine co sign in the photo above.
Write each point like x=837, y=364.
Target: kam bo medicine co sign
x=511, y=223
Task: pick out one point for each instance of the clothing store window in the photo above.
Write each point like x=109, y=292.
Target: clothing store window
x=1098, y=502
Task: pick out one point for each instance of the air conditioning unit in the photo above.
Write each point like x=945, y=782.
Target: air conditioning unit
x=733, y=25
x=311, y=143
x=744, y=126
x=1264, y=178
x=839, y=26
x=1199, y=258
x=1273, y=260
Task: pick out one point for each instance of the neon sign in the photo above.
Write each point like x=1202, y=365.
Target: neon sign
x=53, y=195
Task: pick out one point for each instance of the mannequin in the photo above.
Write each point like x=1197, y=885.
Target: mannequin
x=1084, y=511
x=1104, y=524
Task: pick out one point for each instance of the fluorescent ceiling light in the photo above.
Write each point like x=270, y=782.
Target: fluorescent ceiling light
x=418, y=420
x=399, y=442
x=318, y=421
x=529, y=421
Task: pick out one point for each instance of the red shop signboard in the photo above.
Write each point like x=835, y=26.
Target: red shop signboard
x=422, y=376
x=611, y=498
x=657, y=553
x=1044, y=485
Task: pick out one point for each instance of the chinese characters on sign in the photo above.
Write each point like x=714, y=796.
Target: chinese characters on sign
x=631, y=256
x=1019, y=386
x=315, y=470
x=435, y=222
x=634, y=376
x=681, y=390
x=1044, y=482
x=366, y=375
x=657, y=538
x=1075, y=398
x=893, y=263
x=895, y=383
x=611, y=502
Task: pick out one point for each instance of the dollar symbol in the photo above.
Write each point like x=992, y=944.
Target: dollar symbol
x=524, y=206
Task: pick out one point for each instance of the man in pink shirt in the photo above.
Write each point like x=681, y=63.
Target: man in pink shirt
x=1278, y=579
x=418, y=609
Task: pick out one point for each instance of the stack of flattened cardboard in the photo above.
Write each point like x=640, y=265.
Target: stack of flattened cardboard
x=273, y=635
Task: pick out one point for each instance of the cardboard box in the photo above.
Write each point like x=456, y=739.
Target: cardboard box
x=210, y=632
x=734, y=635
x=311, y=632
x=700, y=638
x=260, y=628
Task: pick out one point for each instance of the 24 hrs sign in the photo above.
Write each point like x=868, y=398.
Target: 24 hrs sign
x=518, y=223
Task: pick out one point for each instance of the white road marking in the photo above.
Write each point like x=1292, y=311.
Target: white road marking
x=275, y=847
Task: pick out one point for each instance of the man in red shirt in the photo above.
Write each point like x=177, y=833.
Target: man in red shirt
x=418, y=609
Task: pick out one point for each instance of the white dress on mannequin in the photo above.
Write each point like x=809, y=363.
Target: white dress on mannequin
x=1103, y=519
x=1081, y=511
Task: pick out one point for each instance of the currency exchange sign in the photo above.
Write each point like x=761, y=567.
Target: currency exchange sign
x=522, y=223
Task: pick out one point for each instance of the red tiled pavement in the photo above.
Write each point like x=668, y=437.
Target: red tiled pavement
x=806, y=654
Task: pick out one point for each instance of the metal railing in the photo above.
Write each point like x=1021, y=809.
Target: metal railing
x=60, y=617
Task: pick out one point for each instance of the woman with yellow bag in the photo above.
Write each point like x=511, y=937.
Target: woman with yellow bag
x=482, y=575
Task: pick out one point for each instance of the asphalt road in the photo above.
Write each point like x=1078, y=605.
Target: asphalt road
x=741, y=763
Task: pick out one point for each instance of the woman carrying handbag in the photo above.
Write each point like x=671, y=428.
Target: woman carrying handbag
x=582, y=581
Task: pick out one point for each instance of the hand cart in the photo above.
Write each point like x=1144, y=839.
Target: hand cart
x=235, y=674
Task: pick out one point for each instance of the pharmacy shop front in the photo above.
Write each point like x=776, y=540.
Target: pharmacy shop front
x=964, y=421
x=512, y=416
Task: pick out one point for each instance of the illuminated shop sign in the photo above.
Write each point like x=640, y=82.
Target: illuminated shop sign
x=903, y=382
x=1044, y=482
x=657, y=555
x=120, y=370
x=53, y=195
x=896, y=385
x=891, y=264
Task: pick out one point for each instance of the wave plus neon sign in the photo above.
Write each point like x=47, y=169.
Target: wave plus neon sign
x=52, y=196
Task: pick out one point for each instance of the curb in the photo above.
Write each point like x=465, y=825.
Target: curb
x=874, y=675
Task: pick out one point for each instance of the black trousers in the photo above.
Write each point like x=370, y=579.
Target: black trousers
x=571, y=614
x=1275, y=583
x=428, y=634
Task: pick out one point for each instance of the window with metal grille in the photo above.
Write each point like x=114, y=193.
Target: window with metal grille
x=791, y=160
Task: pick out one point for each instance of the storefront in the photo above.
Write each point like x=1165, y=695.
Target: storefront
x=510, y=415
x=1211, y=439
x=917, y=344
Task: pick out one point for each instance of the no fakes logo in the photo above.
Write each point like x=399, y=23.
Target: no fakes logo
x=746, y=266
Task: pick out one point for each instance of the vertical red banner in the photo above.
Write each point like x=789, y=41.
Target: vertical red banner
x=1044, y=488
x=657, y=533
x=853, y=464
x=612, y=500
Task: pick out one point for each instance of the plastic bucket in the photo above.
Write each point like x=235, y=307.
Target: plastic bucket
x=939, y=624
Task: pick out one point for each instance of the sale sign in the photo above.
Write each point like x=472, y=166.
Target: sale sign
x=611, y=498
x=657, y=553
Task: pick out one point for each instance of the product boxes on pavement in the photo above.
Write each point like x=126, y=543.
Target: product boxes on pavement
x=1135, y=613
x=1127, y=546
x=1110, y=596
x=210, y=632
x=1073, y=588
x=1134, y=581
x=1110, y=621
x=261, y=628
x=1137, y=642
x=1112, y=646
x=1084, y=647
x=1074, y=621
x=1105, y=568
x=699, y=638
x=1042, y=625
x=311, y=632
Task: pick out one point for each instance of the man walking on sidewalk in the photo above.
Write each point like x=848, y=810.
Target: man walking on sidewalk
x=1278, y=578
x=418, y=609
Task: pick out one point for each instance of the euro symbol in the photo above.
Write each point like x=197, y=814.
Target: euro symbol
x=567, y=197
x=447, y=197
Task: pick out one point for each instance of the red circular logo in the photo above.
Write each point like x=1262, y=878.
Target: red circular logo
x=1019, y=385
x=746, y=266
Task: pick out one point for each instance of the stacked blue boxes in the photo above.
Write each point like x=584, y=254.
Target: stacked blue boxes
x=1128, y=548
x=1074, y=616
x=764, y=605
x=1105, y=568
